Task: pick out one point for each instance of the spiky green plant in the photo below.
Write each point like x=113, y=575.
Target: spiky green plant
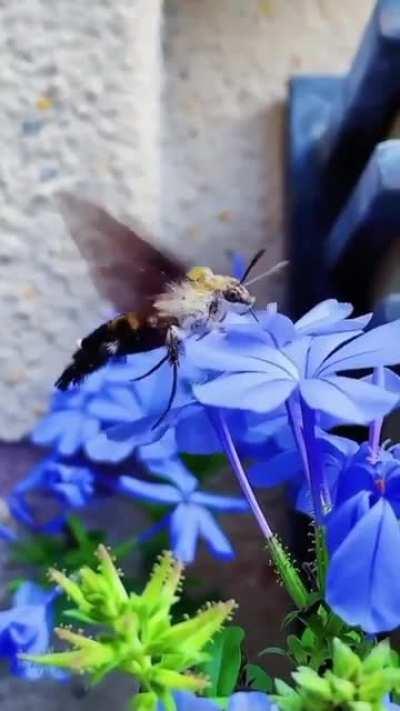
x=138, y=635
x=352, y=684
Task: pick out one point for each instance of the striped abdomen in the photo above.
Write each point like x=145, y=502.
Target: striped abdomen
x=129, y=333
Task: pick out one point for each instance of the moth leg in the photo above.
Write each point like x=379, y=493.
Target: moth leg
x=174, y=345
x=152, y=370
x=215, y=313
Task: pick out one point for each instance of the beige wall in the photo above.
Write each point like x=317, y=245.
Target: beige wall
x=81, y=87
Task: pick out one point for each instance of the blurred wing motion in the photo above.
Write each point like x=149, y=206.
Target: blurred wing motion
x=127, y=270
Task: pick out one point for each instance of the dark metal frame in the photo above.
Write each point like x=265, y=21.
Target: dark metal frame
x=343, y=176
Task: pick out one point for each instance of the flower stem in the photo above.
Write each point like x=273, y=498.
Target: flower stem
x=319, y=486
x=224, y=434
x=280, y=557
x=375, y=427
x=302, y=422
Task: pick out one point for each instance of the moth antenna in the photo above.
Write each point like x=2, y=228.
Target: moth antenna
x=152, y=370
x=274, y=270
x=171, y=397
x=252, y=264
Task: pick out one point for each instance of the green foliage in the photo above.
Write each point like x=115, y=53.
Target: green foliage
x=223, y=667
x=227, y=668
x=135, y=632
x=257, y=679
x=72, y=548
x=352, y=684
x=204, y=466
x=314, y=646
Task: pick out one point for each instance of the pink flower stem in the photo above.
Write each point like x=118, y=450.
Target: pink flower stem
x=220, y=424
x=375, y=428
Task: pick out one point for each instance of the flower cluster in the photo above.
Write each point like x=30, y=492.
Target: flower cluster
x=104, y=425
x=27, y=628
x=263, y=390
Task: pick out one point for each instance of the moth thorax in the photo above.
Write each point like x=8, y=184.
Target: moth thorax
x=202, y=277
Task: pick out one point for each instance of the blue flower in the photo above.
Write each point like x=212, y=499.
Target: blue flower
x=191, y=518
x=26, y=628
x=136, y=408
x=7, y=534
x=105, y=398
x=68, y=425
x=285, y=466
x=390, y=706
x=330, y=316
x=260, y=378
x=242, y=701
x=363, y=585
x=71, y=486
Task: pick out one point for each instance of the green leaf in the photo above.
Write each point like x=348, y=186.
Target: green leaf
x=289, y=618
x=296, y=649
x=258, y=679
x=204, y=465
x=223, y=668
x=273, y=650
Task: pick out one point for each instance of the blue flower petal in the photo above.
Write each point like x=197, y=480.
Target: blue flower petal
x=353, y=401
x=217, y=541
x=258, y=392
x=323, y=315
x=353, y=479
x=194, y=431
x=392, y=492
x=63, y=430
x=363, y=584
x=176, y=472
x=149, y=491
x=276, y=470
x=321, y=347
x=380, y=346
x=219, y=503
x=215, y=353
x=163, y=448
x=273, y=329
x=184, y=529
x=343, y=519
x=31, y=594
x=25, y=628
x=120, y=441
x=6, y=534
x=250, y=701
x=189, y=702
x=116, y=405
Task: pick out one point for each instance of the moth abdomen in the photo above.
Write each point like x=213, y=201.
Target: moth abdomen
x=93, y=353
x=123, y=335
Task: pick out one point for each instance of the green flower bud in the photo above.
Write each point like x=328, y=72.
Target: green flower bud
x=352, y=685
x=137, y=635
x=346, y=664
x=314, y=685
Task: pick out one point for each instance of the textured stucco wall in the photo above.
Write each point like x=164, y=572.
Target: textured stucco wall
x=80, y=87
x=81, y=100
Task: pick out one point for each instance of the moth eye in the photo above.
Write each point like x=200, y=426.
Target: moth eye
x=231, y=295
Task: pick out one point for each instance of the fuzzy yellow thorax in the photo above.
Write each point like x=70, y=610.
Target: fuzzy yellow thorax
x=204, y=278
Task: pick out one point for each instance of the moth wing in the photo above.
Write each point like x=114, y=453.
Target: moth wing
x=125, y=268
